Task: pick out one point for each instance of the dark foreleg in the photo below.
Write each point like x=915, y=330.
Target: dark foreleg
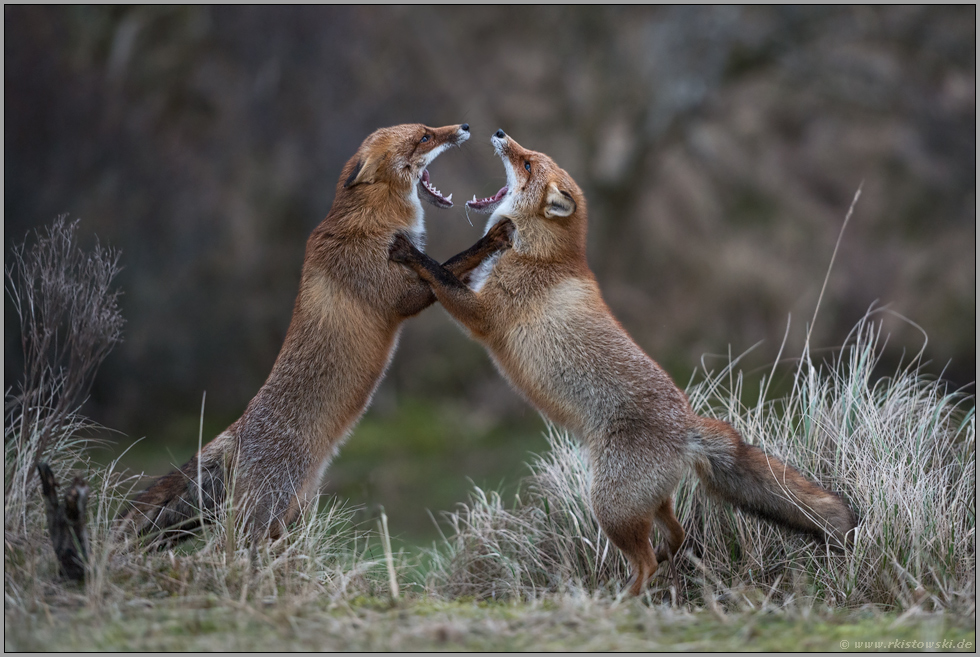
x=420, y=296
x=497, y=239
x=459, y=300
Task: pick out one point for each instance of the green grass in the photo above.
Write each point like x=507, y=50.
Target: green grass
x=202, y=622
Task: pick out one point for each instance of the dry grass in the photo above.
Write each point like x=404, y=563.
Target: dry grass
x=324, y=557
x=901, y=449
x=69, y=321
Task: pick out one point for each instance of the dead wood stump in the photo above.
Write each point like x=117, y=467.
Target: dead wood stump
x=66, y=523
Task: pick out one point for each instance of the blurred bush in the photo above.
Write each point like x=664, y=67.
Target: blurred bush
x=719, y=149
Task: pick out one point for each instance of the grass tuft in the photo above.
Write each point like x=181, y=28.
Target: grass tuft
x=900, y=449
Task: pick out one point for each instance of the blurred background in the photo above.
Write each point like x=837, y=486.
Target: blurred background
x=719, y=149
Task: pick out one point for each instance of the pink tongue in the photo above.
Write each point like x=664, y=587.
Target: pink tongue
x=483, y=202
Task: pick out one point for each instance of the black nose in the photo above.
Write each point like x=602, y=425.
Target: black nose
x=499, y=134
x=465, y=127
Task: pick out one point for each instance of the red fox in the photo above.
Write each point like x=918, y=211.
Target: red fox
x=537, y=309
x=343, y=333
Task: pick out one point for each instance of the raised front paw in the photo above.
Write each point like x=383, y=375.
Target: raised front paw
x=401, y=250
x=501, y=235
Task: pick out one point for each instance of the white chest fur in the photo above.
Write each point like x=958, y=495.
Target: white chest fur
x=480, y=275
x=417, y=231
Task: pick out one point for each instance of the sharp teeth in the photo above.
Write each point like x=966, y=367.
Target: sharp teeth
x=449, y=198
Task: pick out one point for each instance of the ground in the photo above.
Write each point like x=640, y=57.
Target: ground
x=419, y=624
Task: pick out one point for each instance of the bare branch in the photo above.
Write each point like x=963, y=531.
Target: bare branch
x=69, y=321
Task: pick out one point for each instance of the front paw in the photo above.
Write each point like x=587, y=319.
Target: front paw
x=401, y=250
x=501, y=235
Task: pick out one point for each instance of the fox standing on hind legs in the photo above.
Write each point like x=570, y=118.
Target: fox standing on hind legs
x=538, y=310
x=342, y=336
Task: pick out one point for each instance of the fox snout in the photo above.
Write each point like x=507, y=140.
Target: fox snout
x=462, y=134
x=499, y=141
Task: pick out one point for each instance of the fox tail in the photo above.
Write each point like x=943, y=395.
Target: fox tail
x=760, y=484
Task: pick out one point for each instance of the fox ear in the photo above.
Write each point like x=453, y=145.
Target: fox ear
x=558, y=203
x=364, y=172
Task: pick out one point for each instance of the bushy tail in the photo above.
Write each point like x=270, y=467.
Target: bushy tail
x=175, y=504
x=747, y=477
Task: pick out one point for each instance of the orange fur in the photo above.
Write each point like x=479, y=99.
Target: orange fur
x=343, y=333
x=540, y=314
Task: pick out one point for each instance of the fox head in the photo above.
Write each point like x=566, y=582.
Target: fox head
x=396, y=158
x=544, y=202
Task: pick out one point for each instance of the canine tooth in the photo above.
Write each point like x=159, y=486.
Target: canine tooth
x=449, y=198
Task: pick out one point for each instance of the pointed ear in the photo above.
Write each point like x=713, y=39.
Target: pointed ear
x=364, y=172
x=558, y=203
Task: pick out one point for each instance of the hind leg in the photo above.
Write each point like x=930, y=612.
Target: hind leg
x=671, y=529
x=627, y=524
x=633, y=538
x=266, y=501
x=673, y=537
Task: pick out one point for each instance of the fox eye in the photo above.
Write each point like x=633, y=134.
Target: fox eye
x=527, y=165
x=425, y=138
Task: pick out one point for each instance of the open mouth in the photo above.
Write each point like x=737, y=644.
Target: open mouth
x=428, y=192
x=489, y=204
